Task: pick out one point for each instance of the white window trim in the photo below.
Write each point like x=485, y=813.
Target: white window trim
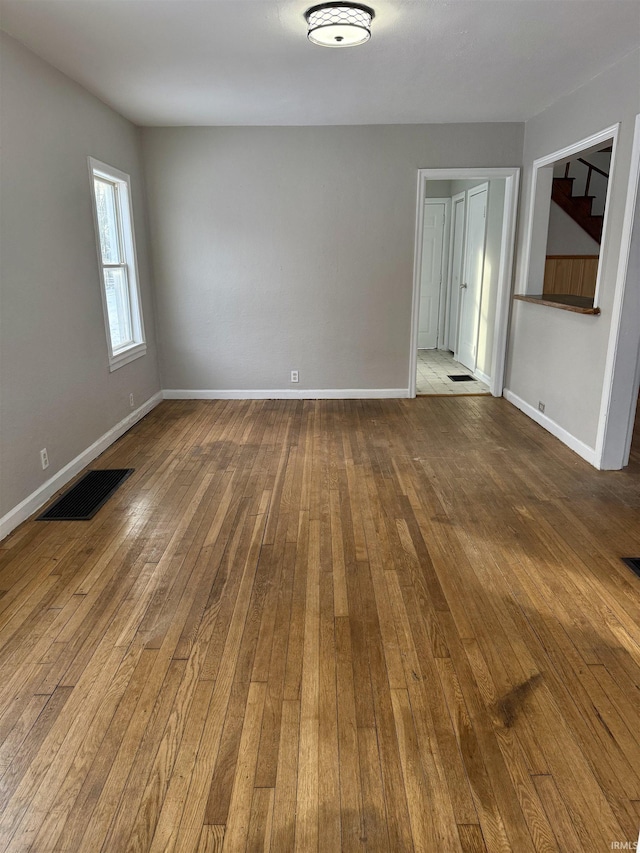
x=138, y=348
x=537, y=224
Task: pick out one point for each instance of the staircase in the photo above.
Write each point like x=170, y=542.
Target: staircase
x=579, y=206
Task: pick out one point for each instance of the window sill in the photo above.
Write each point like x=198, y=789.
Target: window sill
x=577, y=304
x=126, y=356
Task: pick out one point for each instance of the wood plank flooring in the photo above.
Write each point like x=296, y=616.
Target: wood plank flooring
x=390, y=625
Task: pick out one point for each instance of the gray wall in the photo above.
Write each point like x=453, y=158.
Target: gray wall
x=438, y=189
x=558, y=356
x=281, y=248
x=56, y=389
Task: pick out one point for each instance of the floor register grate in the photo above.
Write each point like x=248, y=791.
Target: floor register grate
x=460, y=377
x=83, y=500
x=633, y=563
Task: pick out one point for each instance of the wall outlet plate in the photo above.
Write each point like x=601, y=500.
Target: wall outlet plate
x=44, y=458
x=295, y=376
x=541, y=406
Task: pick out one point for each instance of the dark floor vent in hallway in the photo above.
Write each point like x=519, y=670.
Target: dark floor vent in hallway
x=633, y=563
x=460, y=377
x=83, y=500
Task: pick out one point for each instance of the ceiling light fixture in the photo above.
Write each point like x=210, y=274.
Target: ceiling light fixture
x=339, y=24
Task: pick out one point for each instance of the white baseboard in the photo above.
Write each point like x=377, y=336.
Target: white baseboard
x=38, y=498
x=482, y=377
x=579, y=447
x=288, y=394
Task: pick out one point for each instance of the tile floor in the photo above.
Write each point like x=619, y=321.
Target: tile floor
x=434, y=365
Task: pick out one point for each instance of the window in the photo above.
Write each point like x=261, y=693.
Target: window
x=117, y=262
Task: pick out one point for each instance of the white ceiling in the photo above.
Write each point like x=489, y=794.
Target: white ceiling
x=248, y=62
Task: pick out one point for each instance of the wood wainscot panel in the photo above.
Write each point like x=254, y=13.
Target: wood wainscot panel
x=571, y=274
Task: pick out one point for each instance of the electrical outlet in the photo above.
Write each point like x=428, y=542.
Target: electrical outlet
x=131, y=403
x=541, y=405
x=44, y=458
x=294, y=376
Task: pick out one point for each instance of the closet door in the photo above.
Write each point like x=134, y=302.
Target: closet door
x=431, y=272
x=457, y=260
x=471, y=286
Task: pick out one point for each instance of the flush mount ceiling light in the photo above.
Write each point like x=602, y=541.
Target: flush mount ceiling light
x=339, y=24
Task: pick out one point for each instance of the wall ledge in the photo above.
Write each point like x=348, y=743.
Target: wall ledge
x=556, y=303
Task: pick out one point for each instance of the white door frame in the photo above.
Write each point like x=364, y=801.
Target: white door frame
x=505, y=272
x=444, y=267
x=622, y=366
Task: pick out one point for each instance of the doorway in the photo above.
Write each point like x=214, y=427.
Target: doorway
x=439, y=374
x=453, y=247
x=462, y=280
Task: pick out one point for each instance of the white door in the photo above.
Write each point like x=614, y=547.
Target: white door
x=431, y=272
x=457, y=258
x=471, y=286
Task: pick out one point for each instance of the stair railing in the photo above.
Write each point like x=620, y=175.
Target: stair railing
x=591, y=170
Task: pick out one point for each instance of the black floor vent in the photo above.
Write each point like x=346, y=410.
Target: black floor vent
x=83, y=500
x=633, y=563
x=461, y=377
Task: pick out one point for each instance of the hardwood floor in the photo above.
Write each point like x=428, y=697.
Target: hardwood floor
x=327, y=626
